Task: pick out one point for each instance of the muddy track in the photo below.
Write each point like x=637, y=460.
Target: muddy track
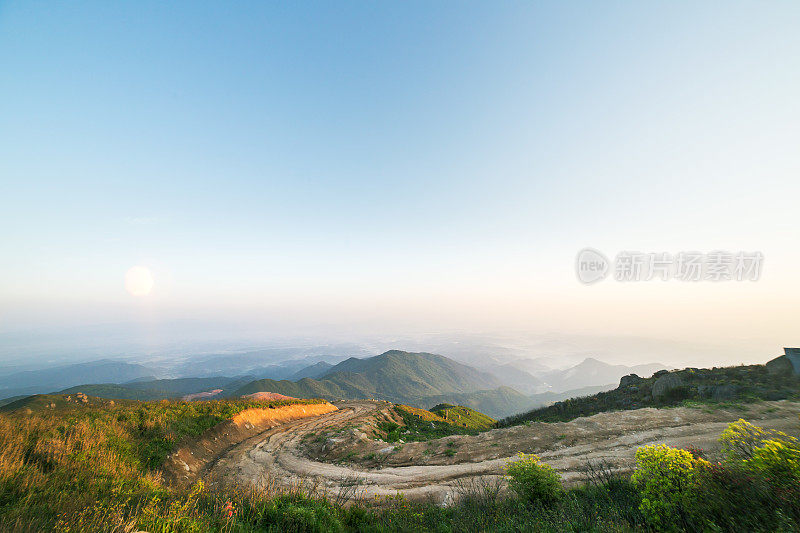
x=421, y=471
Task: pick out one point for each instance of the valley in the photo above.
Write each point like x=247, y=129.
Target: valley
x=419, y=379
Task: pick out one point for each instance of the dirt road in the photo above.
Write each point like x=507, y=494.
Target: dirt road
x=332, y=453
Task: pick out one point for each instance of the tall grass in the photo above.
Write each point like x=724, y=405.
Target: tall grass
x=102, y=461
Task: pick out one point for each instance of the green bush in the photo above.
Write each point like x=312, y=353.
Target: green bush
x=534, y=481
x=667, y=481
x=741, y=438
x=778, y=461
x=756, y=488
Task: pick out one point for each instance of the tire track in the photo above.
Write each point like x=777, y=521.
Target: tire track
x=277, y=456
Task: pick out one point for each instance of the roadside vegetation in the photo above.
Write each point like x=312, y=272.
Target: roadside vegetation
x=692, y=386
x=97, y=469
x=63, y=457
x=463, y=416
x=442, y=421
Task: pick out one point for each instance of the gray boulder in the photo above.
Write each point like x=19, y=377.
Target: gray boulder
x=780, y=366
x=666, y=383
x=630, y=379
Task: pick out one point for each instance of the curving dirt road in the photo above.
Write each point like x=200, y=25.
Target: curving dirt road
x=333, y=454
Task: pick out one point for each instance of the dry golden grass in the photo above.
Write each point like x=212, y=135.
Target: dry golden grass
x=98, y=467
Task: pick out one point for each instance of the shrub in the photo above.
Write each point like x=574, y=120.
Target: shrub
x=726, y=490
x=666, y=478
x=777, y=461
x=741, y=438
x=534, y=481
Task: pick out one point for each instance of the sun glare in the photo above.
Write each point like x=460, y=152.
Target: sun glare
x=139, y=281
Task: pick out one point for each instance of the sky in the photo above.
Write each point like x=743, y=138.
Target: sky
x=395, y=167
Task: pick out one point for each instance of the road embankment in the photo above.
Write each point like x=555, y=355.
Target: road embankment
x=192, y=458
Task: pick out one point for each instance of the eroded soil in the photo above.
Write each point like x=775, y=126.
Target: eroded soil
x=337, y=454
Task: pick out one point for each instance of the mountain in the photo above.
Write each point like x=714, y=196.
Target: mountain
x=59, y=403
x=416, y=379
x=543, y=399
x=414, y=374
x=505, y=401
x=158, y=389
x=315, y=371
x=182, y=386
x=48, y=380
x=536, y=366
x=112, y=391
x=592, y=372
x=274, y=363
x=12, y=399
x=305, y=388
x=497, y=403
x=513, y=376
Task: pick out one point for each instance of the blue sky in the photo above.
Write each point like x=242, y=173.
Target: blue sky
x=424, y=164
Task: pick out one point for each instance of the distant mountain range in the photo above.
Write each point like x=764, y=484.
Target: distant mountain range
x=492, y=402
x=314, y=371
x=47, y=380
x=272, y=363
x=424, y=379
x=157, y=389
x=419, y=379
x=395, y=375
x=592, y=372
x=513, y=376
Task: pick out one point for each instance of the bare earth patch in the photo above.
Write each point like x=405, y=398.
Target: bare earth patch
x=335, y=451
x=192, y=459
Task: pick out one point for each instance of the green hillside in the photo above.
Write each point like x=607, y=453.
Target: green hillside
x=58, y=403
x=421, y=425
x=117, y=392
x=416, y=379
x=183, y=386
x=665, y=389
x=463, y=416
x=6, y=401
x=406, y=374
x=50, y=379
x=159, y=389
x=497, y=403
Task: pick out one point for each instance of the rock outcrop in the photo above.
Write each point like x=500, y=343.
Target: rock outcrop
x=630, y=379
x=788, y=363
x=666, y=383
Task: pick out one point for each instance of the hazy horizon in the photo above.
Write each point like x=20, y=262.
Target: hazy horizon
x=368, y=172
x=165, y=345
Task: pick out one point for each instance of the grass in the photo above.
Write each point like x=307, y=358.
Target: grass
x=95, y=468
x=421, y=425
x=463, y=416
x=58, y=461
